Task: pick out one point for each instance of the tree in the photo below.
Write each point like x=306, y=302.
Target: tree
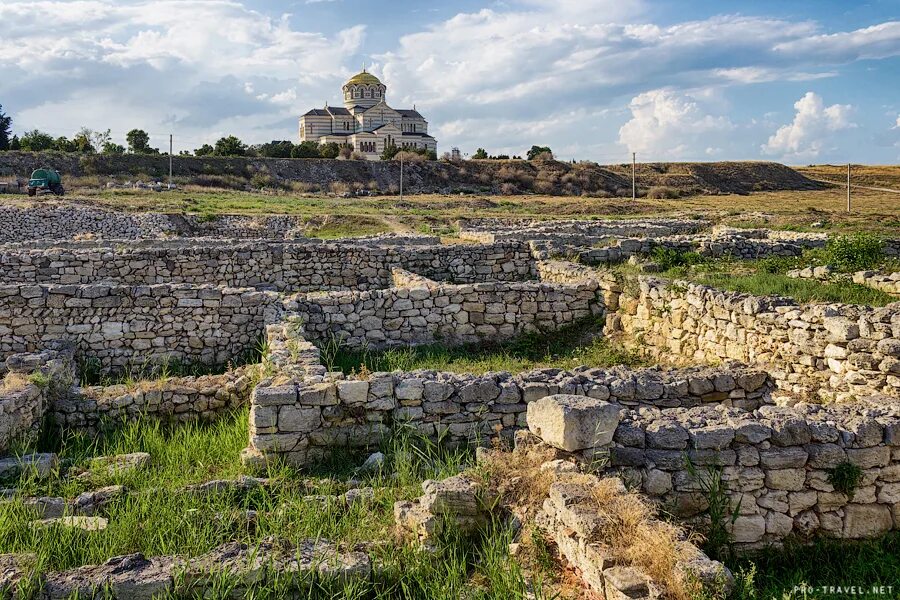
x=64, y=144
x=35, y=141
x=330, y=150
x=540, y=153
x=5, y=129
x=230, y=146
x=204, y=150
x=275, y=149
x=139, y=142
x=82, y=141
x=389, y=152
x=112, y=148
x=14, y=143
x=307, y=149
x=346, y=151
x=480, y=154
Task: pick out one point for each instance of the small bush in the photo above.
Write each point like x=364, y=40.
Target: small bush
x=662, y=192
x=669, y=258
x=856, y=252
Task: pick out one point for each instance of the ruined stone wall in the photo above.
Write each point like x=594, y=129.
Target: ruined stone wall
x=123, y=326
x=176, y=399
x=776, y=464
x=284, y=266
x=32, y=381
x=835, y=350
x=575, y=231
x=304, y=418
x=452, y=314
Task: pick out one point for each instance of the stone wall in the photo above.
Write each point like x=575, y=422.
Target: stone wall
x=283, y=266
x=776, y=464
x=452, y=314
x=123, y=326
x=303, y=419
x=582, y=232
x=31, y=383
x=833, y=350
x=176, y=399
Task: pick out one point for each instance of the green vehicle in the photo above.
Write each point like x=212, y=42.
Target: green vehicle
x=45, y=180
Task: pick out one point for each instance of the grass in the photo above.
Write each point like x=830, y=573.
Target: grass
x=801, y=290
x=784, y=573
x=767, y=277
x=157, y=517
x=568, y=348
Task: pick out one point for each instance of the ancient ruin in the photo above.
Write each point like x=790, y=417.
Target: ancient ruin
x=772, y=393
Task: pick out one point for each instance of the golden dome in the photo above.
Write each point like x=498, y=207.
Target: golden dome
x=363, y=78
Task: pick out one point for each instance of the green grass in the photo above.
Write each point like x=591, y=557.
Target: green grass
x=782, y=573
x=801, y=290
x=568, y=348
x=158, y=518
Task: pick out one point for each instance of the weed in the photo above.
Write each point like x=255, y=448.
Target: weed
x=719, y=541
x=845, y=478
x=855, y=252
x=668, y=258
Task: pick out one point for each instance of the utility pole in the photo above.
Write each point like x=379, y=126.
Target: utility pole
x=170, y=161
x=401, y=176
x=848, y=187
x=633, y=178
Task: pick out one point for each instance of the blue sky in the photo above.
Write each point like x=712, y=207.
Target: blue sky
x=799, y=82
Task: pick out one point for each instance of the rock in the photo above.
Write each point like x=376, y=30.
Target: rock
x=47, y=507
x=14, y=568
x=89, y=503
x=626, y=583
x=120, y=464
x=75, y=522
x=559, y=466
x=42, y=465
x=866, y=520
x=573, y=423
x=129, y=576
x=374, y=463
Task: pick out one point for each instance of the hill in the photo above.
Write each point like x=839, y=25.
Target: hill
x=508, y=177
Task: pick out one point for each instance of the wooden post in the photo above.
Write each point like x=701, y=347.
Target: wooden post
x=633, y=179
x=848, y=187
x=170, y=161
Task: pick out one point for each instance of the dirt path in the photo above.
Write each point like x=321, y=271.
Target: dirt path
x=861, y=187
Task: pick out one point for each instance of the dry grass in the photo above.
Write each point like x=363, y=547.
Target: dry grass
x=633, y=533
x=14, y=382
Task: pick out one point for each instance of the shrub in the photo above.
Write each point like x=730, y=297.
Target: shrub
x=856, y=252
x=662, y=192
x=668, y=258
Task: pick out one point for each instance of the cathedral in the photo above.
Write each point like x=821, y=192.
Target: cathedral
x=366, y=122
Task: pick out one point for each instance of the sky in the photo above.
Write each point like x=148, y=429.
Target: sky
x=803, y=81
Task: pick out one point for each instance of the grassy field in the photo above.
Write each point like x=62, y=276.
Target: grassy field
x=568, y=348
x=158, y=517
x=886, y=176
x=332, y=216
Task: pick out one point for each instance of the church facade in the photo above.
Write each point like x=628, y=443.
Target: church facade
x=366, y=122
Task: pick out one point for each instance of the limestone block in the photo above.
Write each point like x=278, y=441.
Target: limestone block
x=573, y=423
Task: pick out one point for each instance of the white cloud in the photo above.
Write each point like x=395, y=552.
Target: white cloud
x=811, y=131
x=668, y=125
x=189, y=65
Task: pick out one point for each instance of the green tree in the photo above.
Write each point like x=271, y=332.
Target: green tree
x=139, y=142
x=389, y=152
x=275, y=149
x=83, y=141
x=308, y=149
x=204, y=150
x=480, y=154
x=14, y=143
x=35, y=141
x=64, y=144
x=230, y=146
x=112, y=148
x=330, y=150
x=5, y=129
x=540, y=153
